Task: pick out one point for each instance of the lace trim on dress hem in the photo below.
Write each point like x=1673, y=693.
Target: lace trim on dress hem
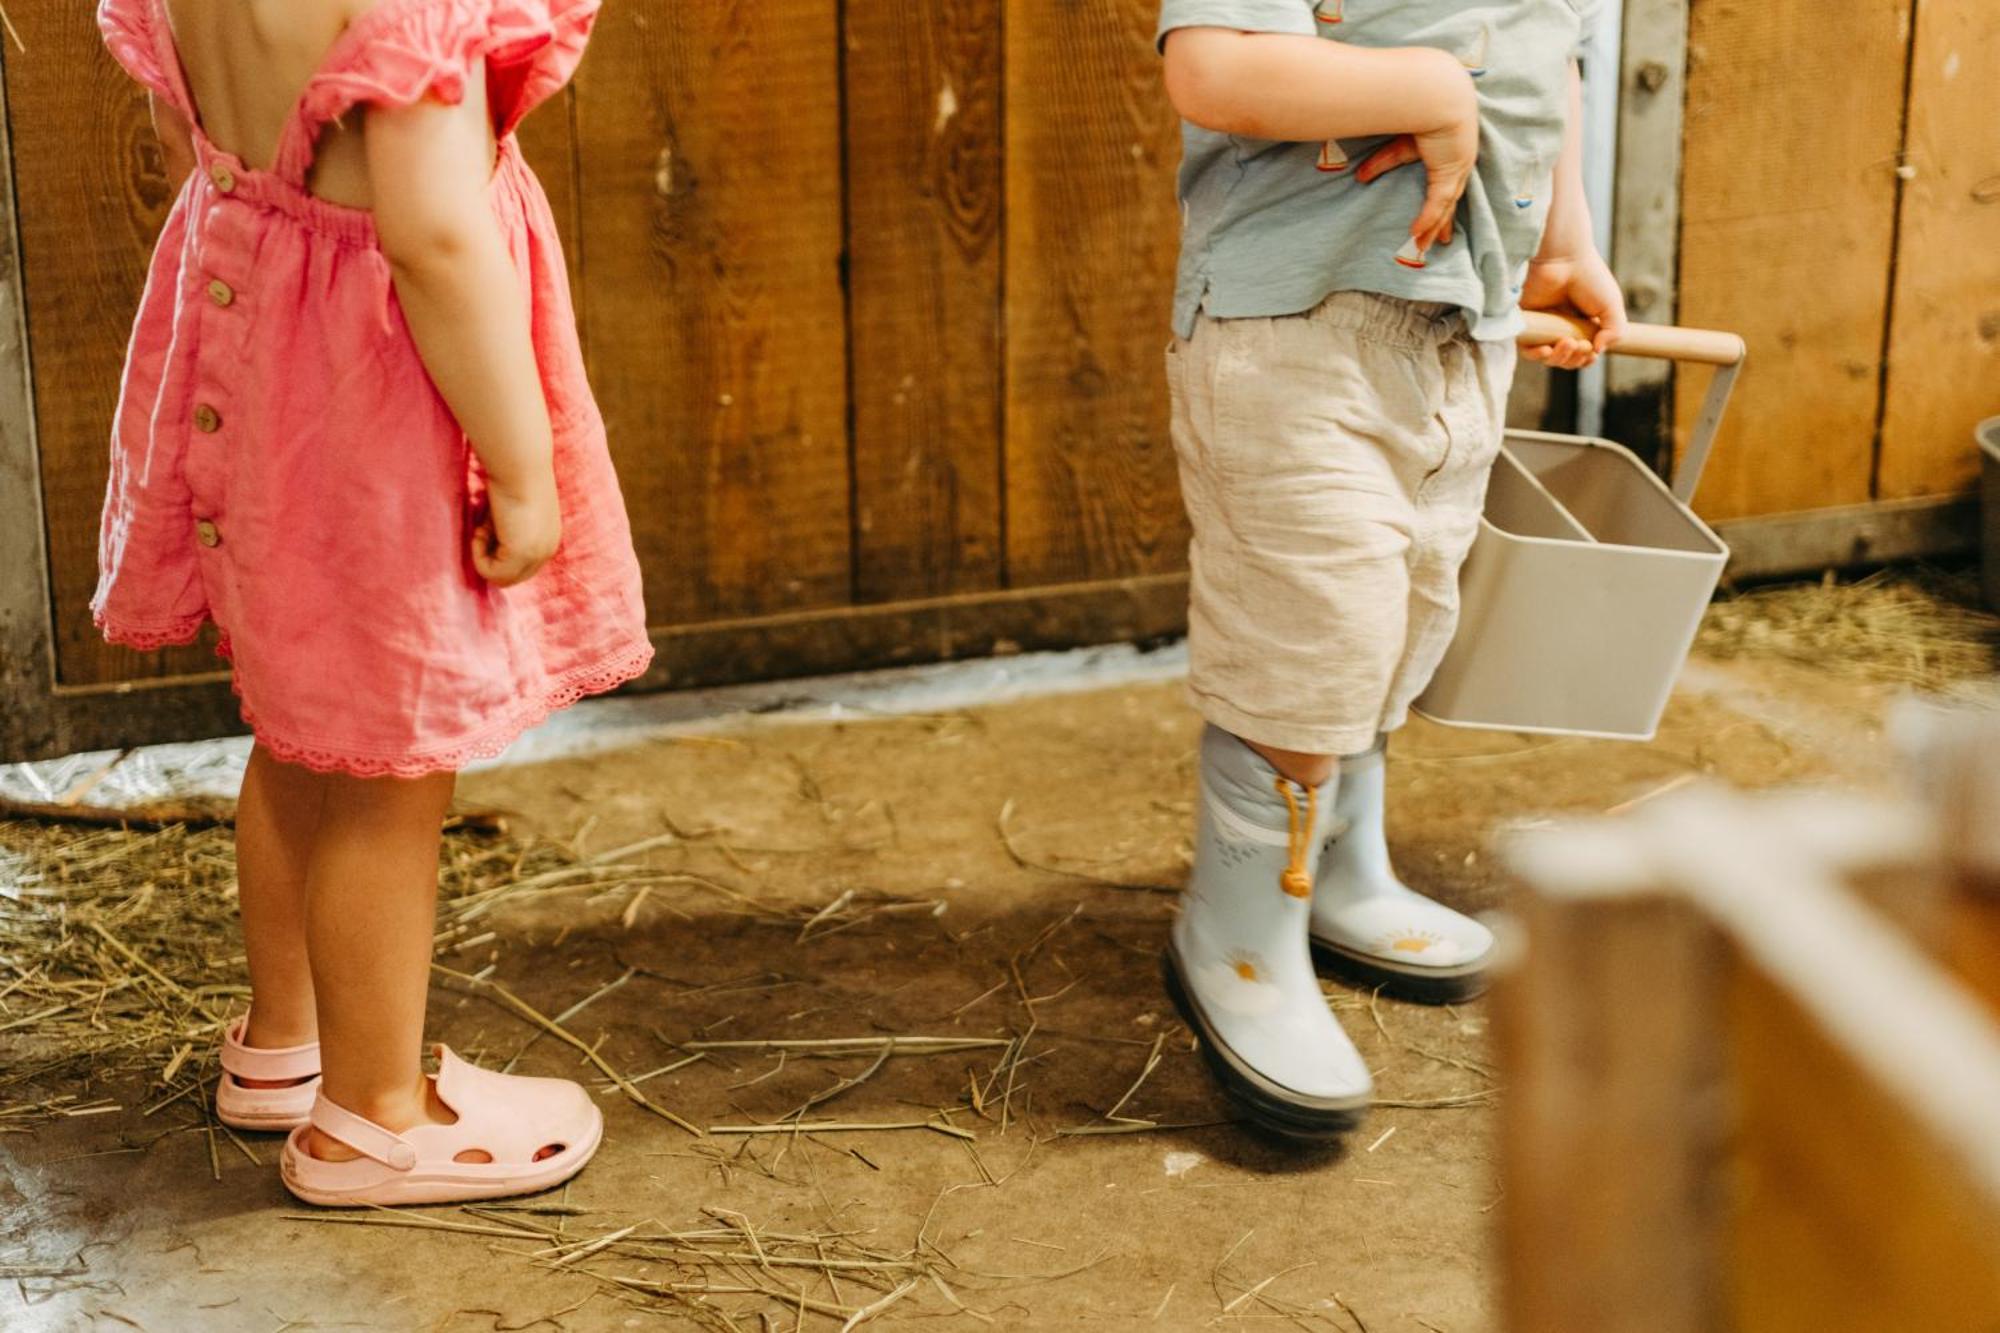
x=594, y=679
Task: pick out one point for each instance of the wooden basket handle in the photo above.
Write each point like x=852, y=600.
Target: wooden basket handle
x=1724, y=351
x=1663, y=341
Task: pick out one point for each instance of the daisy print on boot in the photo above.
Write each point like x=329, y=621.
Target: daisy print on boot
x=1369, y=927
x=1239, y=967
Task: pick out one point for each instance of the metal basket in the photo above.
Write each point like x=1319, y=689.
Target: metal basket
x=1589, y=576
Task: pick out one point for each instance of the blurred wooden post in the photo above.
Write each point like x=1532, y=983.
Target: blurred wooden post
x=1611, y=1129
x=1969, y=816
x=1739, y=1098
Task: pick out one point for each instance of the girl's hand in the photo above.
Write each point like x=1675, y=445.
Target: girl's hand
x=1582, y=283
x=522, y=530
x=1448, y=152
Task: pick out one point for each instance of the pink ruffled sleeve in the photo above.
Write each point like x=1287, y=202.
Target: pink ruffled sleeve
x=408, y=50
x=129, y=32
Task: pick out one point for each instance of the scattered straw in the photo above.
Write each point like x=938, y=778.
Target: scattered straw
x=120, y=957
x=1909, y=626
x=724, y=1270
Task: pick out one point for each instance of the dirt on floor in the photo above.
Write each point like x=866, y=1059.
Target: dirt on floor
x=1003, y=874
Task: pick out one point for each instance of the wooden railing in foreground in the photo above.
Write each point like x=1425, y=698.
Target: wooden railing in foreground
x=1752, y=1053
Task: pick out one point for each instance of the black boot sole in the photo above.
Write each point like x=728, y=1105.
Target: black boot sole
x=1421, y=987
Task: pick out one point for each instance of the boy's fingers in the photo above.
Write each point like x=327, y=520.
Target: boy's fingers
x=1564, y=354
x=1398, y=152
x=1611, y=328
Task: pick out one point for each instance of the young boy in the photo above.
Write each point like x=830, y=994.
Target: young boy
x=1372, y=189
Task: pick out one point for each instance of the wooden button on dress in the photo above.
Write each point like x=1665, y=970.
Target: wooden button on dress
x=207, y=534
x=207, y=420
x=220, y=292
x=224, y=178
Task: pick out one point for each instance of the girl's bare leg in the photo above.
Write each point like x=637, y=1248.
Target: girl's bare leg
x=276, y=818
x=371, y=902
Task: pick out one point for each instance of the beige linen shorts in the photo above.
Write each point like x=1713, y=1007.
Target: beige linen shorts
x=1334, y=465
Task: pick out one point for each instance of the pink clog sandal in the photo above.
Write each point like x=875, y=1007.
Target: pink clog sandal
x=508, y=1117
x=268, y=1110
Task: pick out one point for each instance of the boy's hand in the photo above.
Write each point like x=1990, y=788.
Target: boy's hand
x=1582, y=283
x=1449, y=152
x=522, y=529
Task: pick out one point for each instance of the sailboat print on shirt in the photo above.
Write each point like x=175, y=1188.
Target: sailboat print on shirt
x=1524, y=193
x=1332, y=157
x=1329, y=11
x=1410, y=256
x=1475, y=60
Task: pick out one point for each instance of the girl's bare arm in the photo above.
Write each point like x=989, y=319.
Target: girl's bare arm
x=429, y=170
x=1266, y=85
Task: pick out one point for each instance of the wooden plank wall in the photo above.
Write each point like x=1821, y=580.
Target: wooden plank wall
x=1090, y=259
x=1788, y=189
x=875, y=312
x=1870, y=296
x=709, y=140
x=874, y=295
x=923, y=125
x=93, y=195
x=1944, y=342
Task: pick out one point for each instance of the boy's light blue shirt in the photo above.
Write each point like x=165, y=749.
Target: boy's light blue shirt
x=1272, y=228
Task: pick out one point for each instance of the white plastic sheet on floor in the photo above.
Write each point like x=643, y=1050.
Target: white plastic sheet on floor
x=215, y=768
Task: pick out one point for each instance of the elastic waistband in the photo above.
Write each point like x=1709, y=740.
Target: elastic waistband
x=263, y=189
x=1392, y=320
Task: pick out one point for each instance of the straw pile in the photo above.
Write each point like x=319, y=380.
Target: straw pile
x=120, y=958
x=1919, y=627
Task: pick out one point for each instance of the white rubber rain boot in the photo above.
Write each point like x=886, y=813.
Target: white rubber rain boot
x=1239, y=966
x=1370, y=928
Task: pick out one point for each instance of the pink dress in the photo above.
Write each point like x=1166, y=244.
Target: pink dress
x=283, y=465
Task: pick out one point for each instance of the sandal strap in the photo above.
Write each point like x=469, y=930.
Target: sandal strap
x=272, y=1063
x=364, y=1136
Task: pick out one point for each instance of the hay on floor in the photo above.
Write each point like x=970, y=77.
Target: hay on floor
x=1915, y=626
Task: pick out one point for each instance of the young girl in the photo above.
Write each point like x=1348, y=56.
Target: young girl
x=356, y=434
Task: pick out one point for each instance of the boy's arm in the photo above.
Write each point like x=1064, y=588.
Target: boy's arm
x=1269, y=85
x=1568, y=272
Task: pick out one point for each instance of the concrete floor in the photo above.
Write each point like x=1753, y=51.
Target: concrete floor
x=103, y=1224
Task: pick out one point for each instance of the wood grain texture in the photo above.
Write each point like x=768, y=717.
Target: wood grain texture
x=93, y=195
x=1793, y=121
x=1944, y=340
x=924, y=185
x=27, y=666
x=1091, y=237
x=1611, y=1133
x=710, y=159
x=1847, y=1216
